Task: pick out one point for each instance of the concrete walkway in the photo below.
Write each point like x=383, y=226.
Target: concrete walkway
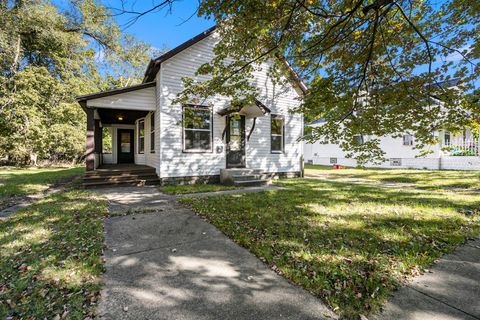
x=170, y=264
x=450, y=291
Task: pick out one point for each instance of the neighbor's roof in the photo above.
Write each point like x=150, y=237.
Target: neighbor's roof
x=154, y=65
x=115, y=91
x=318, y=121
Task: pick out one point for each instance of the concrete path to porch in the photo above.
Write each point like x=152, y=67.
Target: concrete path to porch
x=451, y=290
x=168, y=263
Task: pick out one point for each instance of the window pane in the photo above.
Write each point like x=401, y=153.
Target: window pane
x=197, y=140
x=277, y=126
x=152, y=141
x=195, y=118
x=141, y=136
x=277, y=143
x=106, y=140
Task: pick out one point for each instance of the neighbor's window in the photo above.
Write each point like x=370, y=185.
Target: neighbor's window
x=107, y=140
x=407, y=140
x=197, y=129
x=358, y=139
x=446, y=138
x=152, y=132
x=277, y=140
x=141, y=136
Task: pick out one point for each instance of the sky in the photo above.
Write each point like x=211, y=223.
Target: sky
x=163, y=30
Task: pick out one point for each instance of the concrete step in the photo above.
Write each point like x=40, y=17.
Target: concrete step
x=252, y=183
x=247, y=177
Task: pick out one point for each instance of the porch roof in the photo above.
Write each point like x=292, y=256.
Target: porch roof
x=112, y=92
x=249, y=111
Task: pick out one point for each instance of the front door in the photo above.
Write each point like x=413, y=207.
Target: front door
x=235, y=141
x=125, y=146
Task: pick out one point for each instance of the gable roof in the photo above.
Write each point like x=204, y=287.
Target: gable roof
x=154, y=65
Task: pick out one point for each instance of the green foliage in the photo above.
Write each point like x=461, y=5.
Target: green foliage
x=51, y=53
x=51, y=258
x=350, y=243
x=372, y=67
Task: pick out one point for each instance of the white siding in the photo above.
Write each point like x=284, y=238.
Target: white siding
x=143, y=99
x=175, y=163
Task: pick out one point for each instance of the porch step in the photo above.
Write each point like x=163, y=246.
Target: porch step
x=132, y=182
x=114, y=175
x=244, y=177
x=252, y=183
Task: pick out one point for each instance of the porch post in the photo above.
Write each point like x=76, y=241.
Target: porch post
x=98, y=140
x=90, y=145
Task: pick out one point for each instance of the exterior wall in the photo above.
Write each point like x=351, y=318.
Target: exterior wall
x=321, y=154
x=143, y=99
x=176, y=163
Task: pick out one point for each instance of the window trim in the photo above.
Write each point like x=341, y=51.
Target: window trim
x=152, y=132
x=138, y=136
x=282, y=117
x=194, y=106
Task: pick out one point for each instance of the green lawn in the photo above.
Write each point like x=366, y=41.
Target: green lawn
x=51, y=257
x=18, y=182
x=195, y=188
x=351, y=244
x=424, y=179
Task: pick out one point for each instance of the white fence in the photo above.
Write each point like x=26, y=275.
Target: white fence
x=460, y=147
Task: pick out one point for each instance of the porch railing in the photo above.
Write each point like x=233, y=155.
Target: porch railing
x=462, y=147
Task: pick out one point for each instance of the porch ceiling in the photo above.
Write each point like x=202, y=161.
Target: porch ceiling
x=113, y=116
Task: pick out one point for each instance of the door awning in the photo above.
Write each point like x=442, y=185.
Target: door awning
x=250, y=111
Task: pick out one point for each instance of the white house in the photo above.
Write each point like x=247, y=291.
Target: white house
x=140, y=125
x=454, y=152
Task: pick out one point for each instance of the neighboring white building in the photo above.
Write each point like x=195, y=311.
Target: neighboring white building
x=146, y=128
x=453, y=152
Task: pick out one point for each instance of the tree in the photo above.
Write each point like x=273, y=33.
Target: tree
x=372, y=67
x=48, y=55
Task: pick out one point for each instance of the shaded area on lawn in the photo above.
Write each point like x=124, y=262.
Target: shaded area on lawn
x=349, y=244
x=423, y=179
x=50, y=257
x=19, y=182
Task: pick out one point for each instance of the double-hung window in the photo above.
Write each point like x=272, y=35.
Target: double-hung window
x=197, y=129
x=152, y=132
x=407, y=140
x=277, y=133
x=141, y=136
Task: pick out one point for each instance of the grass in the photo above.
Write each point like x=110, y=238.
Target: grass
x=195, y=188
x=423, y=179
x=18, y=182
x=351, y=244
x=50, y=257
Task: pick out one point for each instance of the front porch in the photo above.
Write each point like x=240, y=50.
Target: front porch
x=118, y=123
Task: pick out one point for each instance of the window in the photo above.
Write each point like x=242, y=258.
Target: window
x=395, y=162
x=446, y=138
x=333, y=160
x=197, y=129
x=141, y=136
x=358, y=139
x=277, y=140
x=407, y=140
x=107, y=140
x=152, y=132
